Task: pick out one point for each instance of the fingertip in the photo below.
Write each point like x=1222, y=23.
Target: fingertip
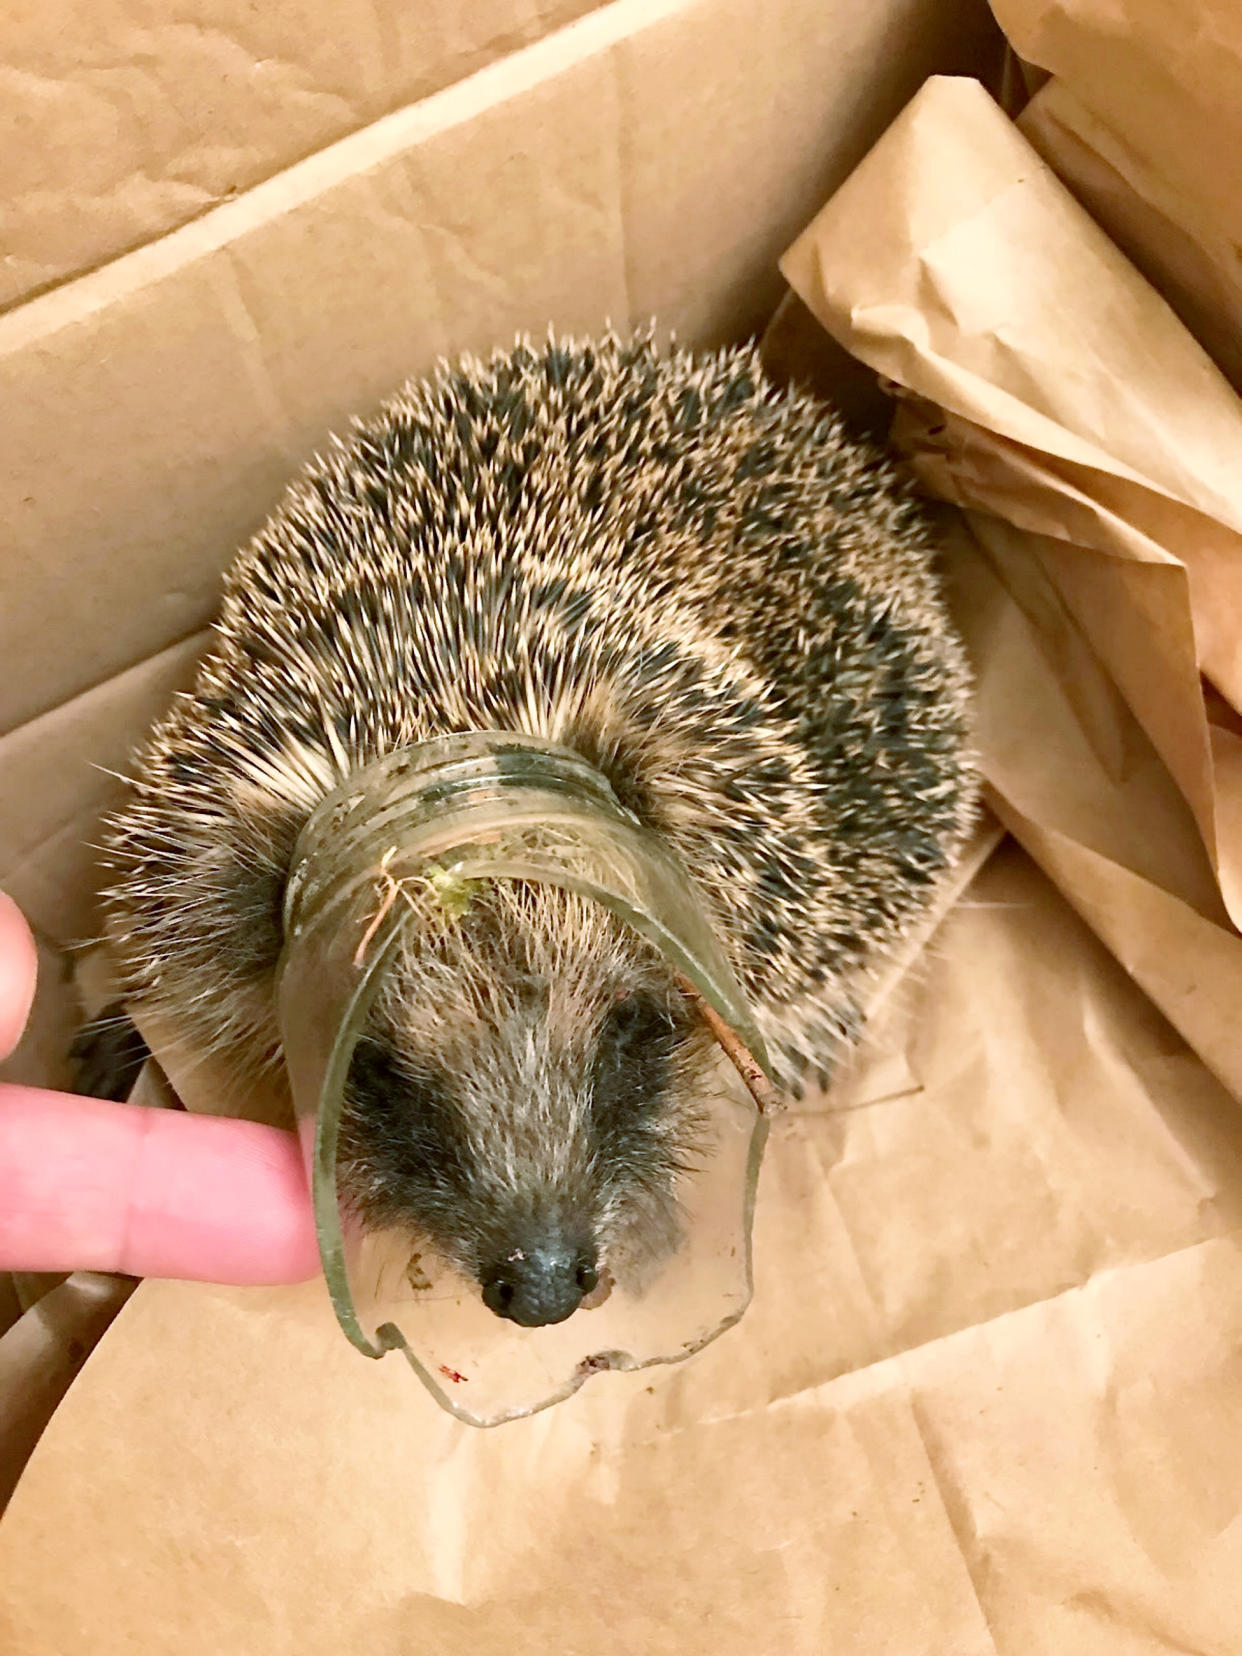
x=19, y=964
x=86, y=1184
x=218, y=1200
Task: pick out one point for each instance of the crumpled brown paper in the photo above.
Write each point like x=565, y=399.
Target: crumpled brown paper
x=1047, y=384
x=1142, y=119
x=984, y=1400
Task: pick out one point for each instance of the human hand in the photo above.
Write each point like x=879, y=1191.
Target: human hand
x=90, y=1185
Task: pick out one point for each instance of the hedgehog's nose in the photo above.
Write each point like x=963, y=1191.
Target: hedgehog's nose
x=540, y=1283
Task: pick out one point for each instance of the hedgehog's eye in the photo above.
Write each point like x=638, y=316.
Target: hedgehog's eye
x=633, y=1062
x=400, y=1133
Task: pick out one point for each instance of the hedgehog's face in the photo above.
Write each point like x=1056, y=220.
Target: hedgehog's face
x=524, y=1101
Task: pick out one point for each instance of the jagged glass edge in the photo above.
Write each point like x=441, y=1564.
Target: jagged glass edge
x=326, y=1197
x=723, y=996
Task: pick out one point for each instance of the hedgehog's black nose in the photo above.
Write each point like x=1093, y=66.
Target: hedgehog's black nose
x=541, y=1282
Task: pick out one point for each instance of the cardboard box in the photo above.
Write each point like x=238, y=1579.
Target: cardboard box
x=986, y=1398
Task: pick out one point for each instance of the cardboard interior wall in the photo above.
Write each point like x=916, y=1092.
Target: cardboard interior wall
x=120, y=123
x=652, y=158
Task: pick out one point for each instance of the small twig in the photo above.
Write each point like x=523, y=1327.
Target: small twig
x=765, y=1095
x=377, y=920
x=392, y=889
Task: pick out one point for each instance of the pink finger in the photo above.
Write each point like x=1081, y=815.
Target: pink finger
x=90, y=1185
x=18, y=964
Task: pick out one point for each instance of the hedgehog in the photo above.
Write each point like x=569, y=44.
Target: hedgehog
x=698, y=583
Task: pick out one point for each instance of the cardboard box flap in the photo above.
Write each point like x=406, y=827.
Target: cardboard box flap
x=153, y=409
x=61, y=774
x=119, y=124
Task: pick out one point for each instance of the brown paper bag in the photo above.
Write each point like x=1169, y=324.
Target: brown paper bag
x=1047, y=384
x=984, y=1402
x=1142, y=120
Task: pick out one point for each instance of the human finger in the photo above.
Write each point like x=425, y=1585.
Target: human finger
x=86, y=1184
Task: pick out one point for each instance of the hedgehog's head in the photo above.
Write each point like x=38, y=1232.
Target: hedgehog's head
x=524, y=1097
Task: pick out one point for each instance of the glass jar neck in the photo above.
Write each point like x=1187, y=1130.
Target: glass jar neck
x=498, y=805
